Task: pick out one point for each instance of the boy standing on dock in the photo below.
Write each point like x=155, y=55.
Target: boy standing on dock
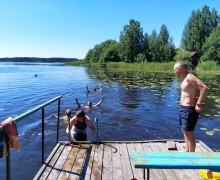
x=190, y=105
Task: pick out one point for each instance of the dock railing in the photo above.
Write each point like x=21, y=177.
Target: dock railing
x=26, y=114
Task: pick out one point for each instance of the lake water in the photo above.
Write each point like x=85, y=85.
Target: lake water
x=137, y=106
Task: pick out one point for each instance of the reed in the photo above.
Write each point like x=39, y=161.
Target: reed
x=208, y=65
x=150, y=66
x=75, y=63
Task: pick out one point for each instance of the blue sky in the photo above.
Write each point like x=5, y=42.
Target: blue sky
x=69, y=28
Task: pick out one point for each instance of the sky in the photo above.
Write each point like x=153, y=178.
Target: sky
x=70, y=28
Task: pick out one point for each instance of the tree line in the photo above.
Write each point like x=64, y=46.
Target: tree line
x=201, y=34
x=37, y=59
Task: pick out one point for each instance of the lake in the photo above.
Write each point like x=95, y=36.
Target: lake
x=137, y=106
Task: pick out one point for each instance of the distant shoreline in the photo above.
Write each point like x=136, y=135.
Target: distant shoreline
x=31, y=63
x=38, y=59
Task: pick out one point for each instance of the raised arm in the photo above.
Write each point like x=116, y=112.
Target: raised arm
x=87, y=89
x=61, y=117
x=77, y=102
x=100, y=102
x=101, y=89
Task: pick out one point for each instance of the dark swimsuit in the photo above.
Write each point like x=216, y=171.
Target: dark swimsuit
x=81, y=125
x=188, y=118
x=81, y=135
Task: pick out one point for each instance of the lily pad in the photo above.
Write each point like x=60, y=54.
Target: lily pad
x=217, y=100
x=204, y=129
x=210, y=133
x=216, y=129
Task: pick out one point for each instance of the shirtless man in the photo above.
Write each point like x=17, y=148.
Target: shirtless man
x=190, y=104
x=89, y=104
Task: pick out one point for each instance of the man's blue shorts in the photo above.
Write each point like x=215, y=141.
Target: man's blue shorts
x=188, y=118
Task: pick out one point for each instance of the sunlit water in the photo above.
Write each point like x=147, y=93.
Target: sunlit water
x=137, y=106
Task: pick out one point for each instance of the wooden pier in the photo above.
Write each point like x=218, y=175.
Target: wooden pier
x=111, y=161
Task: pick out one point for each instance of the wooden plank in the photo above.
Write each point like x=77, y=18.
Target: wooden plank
x=58, y=166
x=155, y=148
x=176, y=160
x=154, y=173
x=87, y=171
x=125, y=162
x=178, y=173
x=97, y=163
x=212, y=156
x=171, y=145
x=44, y=166
x=107, y=163
x=138, y=147
x=112, y=162
x=69, y=162
x=137, y=173
x=176, y=163
x=116, y=162
x=79, y=161
x=51, y=163
x=169, y=174
x=181, y=174
x=203, y=147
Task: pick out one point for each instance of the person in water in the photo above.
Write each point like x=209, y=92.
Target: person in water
x=78, y=125
x=89, y=104
x=68, y=115
x=190, y=104
x=94, y=89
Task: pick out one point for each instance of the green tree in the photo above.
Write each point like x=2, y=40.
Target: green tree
x=145, y=48
x=198, y=27
x=103, y=52
x=166, y=46
x=154, y=46
x=131, y=40
x=110, y=52
x=140, y=58
x=211, y=48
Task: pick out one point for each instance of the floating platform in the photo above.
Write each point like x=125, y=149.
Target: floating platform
x=109, y=160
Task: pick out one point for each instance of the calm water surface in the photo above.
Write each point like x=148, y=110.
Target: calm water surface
x=137, y=106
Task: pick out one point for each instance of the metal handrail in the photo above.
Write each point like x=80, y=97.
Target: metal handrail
x=26, y=114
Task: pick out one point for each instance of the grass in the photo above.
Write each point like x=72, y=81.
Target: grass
x=149, y=67
x=75, y=63
x=209, y=67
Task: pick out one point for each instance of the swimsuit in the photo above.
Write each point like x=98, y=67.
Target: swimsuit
x=79, y=131
x=188, y=118
x=81, y=125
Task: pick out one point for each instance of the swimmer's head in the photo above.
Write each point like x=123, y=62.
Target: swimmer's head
x=89, y=104
x=68, y=112
x=80, y=114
